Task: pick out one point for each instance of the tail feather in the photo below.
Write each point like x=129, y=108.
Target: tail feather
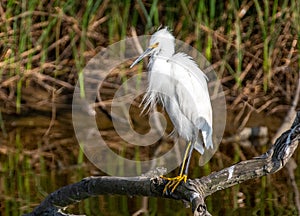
x=199, y=146
x=205, y=138
x=203, y=141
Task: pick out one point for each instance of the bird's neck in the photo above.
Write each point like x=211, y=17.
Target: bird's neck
x=163, y=53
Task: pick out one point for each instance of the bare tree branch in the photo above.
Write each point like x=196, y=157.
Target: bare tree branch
x=194, y=191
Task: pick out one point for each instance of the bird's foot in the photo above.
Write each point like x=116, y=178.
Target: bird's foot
x=173, y=182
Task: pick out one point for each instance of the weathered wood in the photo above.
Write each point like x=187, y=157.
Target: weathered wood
x=194, y=191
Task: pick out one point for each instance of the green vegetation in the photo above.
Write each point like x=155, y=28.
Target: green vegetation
x=251, y=44
x=44, y=45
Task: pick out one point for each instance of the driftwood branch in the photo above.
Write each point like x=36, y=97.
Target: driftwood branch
x=194, y=191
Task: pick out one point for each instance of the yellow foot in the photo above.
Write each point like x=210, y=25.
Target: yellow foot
x=173, y=182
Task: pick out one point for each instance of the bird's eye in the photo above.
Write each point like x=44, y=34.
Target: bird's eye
x=155, y=45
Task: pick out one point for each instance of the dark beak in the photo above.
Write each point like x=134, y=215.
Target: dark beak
x=144, y=54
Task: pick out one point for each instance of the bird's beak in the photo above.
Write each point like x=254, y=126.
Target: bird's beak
x=144, y=54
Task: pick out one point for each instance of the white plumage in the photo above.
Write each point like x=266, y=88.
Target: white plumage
x=177, y=82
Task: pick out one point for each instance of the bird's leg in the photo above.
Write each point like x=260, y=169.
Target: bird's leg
x=175, y=181
x=188, y=159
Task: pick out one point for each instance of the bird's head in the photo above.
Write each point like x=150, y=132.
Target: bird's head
x=161, y=42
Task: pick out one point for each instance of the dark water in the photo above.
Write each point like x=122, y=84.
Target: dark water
x=36, y=160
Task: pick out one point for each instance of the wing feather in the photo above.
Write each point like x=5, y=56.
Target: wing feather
x=192, y=94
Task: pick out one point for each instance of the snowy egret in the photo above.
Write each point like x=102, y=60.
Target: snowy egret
x=178, y=83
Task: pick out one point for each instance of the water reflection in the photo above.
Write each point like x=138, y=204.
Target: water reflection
x=34, y=164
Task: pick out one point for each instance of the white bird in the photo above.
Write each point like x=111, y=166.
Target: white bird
x=177, y=82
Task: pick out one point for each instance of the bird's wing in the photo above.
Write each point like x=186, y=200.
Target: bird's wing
x=192, y=94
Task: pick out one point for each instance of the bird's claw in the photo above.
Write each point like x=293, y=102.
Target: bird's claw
x=173, y=182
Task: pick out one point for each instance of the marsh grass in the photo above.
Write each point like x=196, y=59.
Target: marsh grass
x=80, y=157
x=2, y=125
x=137, y=158
x=19, y=172
x=44, y=46
x=252, y=44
